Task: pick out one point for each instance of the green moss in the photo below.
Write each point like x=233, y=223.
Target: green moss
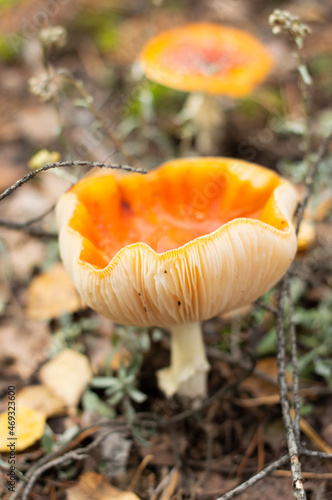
x=9, y=3
x=7, y=52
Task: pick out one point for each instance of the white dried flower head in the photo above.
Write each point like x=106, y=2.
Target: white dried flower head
x=44, y=87
x=55, y=37
x=282, y=20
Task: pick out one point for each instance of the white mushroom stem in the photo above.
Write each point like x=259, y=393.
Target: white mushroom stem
x=187, y=375
x=207, y=113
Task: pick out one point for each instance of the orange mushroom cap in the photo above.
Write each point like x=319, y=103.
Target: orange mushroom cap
x=187, y=241
x=206, y=57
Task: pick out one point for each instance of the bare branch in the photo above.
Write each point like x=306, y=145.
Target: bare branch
x=319, y=454
x=254, y=479
x=24, y=228
x=79, y=454
x=310, y=179
x=293, y=435
x=266, y=307
x=295, y=370
x=82, y=433
x=62, y=164
x=299, y=491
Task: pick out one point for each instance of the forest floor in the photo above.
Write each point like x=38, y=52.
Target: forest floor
x=159, y=448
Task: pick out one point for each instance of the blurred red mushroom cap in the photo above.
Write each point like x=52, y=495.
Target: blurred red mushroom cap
x=206, y=57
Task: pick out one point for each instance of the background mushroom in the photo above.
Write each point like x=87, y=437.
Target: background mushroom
x=206, y=58
x=192, y=239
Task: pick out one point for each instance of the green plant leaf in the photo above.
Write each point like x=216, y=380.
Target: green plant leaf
x=136, y=395
x=105, y=382
x=114, y=400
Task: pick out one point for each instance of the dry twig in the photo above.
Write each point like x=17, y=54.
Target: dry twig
x=292, y=434
x=254, y=479
x=25, y=226
x=82, y=434
x=79, y=454
x=299, y=491
x=37, y=232
x=28, y=177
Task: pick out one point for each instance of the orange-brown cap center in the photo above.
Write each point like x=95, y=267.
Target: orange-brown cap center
x=168, y=207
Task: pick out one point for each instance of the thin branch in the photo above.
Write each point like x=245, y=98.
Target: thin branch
x=62, y=164
x=81, y=434
x=254, y=479
x=266, y=307
x=112, y=135
x=299, y=491
x=242, y=363
x=38, y=218
x=310, y=179
x=72, y=455
x=25, y=226
x=312, y=453
x=295, y=370
x=32, y=231
x=305, y=98
x=293, y=436
x=79, y=454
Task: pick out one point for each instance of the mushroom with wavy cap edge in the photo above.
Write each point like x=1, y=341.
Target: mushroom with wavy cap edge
x=191, y=239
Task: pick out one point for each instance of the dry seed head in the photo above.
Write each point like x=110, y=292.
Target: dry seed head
x=43, y=86
x=55, y=37
x=282, y=20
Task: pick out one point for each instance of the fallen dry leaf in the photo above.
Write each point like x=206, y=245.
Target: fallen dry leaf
x=41, y=398
x=67, y=375
x=29, y=427
x=52, y=294
x=264, y=392
x=42, y=158
x=93, y=486
x=259, y=387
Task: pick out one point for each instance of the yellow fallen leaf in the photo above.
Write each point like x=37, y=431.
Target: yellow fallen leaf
x=42, y=158
x=93, y=486
x=29, y=427
x=67, y=375
x=52, y=294
x=41, y=398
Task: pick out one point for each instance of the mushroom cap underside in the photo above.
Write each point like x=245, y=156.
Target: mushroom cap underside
x=206, y=57
x=192, y=239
